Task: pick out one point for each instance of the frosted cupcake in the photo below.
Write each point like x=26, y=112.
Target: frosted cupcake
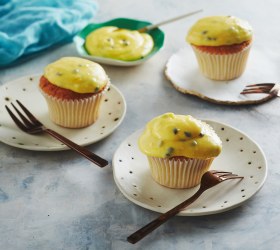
x=179, y=148
x=221, y=45
x=73, y=88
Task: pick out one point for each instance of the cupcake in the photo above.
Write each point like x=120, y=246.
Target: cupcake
x=179, y=148
x=221, y=45
x=73, y=88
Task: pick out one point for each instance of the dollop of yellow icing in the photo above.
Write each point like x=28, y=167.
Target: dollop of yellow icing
x=219, y=30
x=116, y=43
x=77, y=74
x=179, y=135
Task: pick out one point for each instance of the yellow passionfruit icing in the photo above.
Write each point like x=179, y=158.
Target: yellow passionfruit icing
x=219, y=30
x=77, y=74
x=116, y=43
x=171, y=135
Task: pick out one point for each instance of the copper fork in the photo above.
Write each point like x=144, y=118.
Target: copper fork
x=208, y=180
x=272, y=89
x=31, y=125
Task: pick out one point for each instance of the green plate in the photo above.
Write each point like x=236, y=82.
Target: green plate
x=126, y=23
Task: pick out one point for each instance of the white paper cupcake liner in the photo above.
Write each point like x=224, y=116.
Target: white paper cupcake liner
x=74, y=113
x=178, y=173
x=222, y=66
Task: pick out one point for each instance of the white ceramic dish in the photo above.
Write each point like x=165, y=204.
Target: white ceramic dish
x=240, y=154
x=182, y=71
x=26, y=90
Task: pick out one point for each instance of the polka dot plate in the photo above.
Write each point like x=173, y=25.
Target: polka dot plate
x=240, y=155
x=26, y=90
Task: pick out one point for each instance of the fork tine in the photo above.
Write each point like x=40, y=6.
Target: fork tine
x=255, y=91
x=259, y=87
x=225, y=175
x=264, y=88
x=219, y=172
x=23, y=118
x=16, y=120
x=233, y=177
x=28, y=113
x=261, y=84
x=230, y=176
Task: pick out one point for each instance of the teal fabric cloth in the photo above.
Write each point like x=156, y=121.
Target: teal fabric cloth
x=29, y=26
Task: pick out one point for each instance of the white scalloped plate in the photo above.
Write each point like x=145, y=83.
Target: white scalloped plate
x=240, y=154
x=183, y=73
x=26, y=90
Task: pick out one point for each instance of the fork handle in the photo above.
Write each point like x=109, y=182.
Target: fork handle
x=142, y=232
x=81, y=150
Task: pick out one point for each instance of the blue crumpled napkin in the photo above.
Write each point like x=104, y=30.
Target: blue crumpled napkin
x=28, y=26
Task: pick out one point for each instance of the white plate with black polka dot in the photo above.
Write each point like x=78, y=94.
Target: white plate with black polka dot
x=240, y=155
x=26, y=90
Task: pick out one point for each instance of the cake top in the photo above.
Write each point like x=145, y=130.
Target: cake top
x=76, y=74
x=116, y=43
x=179, y=135
x=219, y=30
